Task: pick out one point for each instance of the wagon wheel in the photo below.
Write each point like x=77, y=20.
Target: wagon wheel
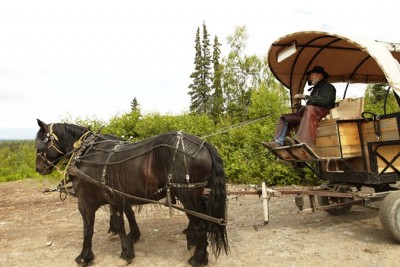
x=324, y=201
x=389, y=214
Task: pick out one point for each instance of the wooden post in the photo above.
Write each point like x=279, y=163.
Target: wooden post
x=265, y=200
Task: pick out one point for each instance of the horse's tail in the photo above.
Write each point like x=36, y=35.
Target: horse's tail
x=216, y=206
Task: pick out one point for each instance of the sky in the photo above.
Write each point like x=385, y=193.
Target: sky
x=69, y=59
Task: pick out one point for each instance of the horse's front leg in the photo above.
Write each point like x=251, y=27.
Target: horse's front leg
x=88, y=216
x=127, y=253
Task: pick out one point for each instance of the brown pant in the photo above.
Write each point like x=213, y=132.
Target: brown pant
x=307, y=119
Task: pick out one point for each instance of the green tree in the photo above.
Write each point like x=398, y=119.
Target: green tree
x=134, y=104
x=200, y=88
x=17, y=161
x=206, y=80
x=375, y=97
x=92, y=123
x=195, y=99
x=217, y=100
x=124, y=126
x=241, y=75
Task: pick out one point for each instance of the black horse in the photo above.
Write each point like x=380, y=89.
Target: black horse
x=108, y=171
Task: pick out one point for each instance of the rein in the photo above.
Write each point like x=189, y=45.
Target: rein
x=235, y=126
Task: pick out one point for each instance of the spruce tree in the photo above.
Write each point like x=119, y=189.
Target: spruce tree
x=134, y=104
x=196, y=75
x=217, y=99
x=205, y=88
x=200, y=89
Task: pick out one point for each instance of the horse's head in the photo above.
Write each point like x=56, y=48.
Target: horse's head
x=48, y=149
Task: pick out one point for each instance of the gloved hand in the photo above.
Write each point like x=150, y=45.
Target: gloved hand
x=299, y=96
x=296, y=105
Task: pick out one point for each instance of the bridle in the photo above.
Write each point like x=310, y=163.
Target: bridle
x=51, y=139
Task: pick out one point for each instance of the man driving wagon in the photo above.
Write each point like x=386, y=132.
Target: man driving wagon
x=318, y=104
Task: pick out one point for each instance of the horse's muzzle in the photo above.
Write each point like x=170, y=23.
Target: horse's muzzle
x=45, y=170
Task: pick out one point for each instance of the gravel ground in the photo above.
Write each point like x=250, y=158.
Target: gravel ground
x=42, y=230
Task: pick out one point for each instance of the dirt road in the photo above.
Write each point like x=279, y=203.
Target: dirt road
x=42, y=230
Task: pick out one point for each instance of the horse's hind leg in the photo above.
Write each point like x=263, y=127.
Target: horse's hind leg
x=197, y=235
x=117, y=219
x=112, y=230
x=190, y=234
x=134, y=234
x=88, y=216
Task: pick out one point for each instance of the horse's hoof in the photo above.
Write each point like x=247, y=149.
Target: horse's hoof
x=84, y=261
x=111, y=235
x=134, y=238
x=80, y=262
x=193, y=261
x=190, y=246
x=123, y=262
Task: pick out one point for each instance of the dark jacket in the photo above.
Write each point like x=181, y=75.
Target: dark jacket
x=323, y=94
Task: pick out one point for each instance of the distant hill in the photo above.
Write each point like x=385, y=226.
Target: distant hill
x=17, y=133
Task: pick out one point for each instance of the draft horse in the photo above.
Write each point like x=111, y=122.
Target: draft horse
x=172, y=165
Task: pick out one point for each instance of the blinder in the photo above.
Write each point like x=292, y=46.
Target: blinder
x=44, y=146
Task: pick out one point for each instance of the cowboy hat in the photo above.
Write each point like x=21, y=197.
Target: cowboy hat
x=318, y=69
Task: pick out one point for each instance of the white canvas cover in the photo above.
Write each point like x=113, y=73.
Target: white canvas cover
x=345, y=59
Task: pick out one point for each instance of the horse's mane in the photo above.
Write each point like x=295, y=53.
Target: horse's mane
x=71, y=128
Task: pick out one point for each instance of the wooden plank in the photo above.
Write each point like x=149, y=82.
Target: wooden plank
x=388, y=123
x=303, y=153
x=283, y=154
x=388, y=128
x=327, y=152
x=384, y=123
x=327, y=141
x=327, y=131
x=348, y=128
x=350, y=140
x=351, y=151
x=385, y=136
x=348, y=109
x=367, y=157
x=327, y=128
x=298, y=152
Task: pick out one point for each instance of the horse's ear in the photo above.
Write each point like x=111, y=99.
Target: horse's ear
x=42, y=125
